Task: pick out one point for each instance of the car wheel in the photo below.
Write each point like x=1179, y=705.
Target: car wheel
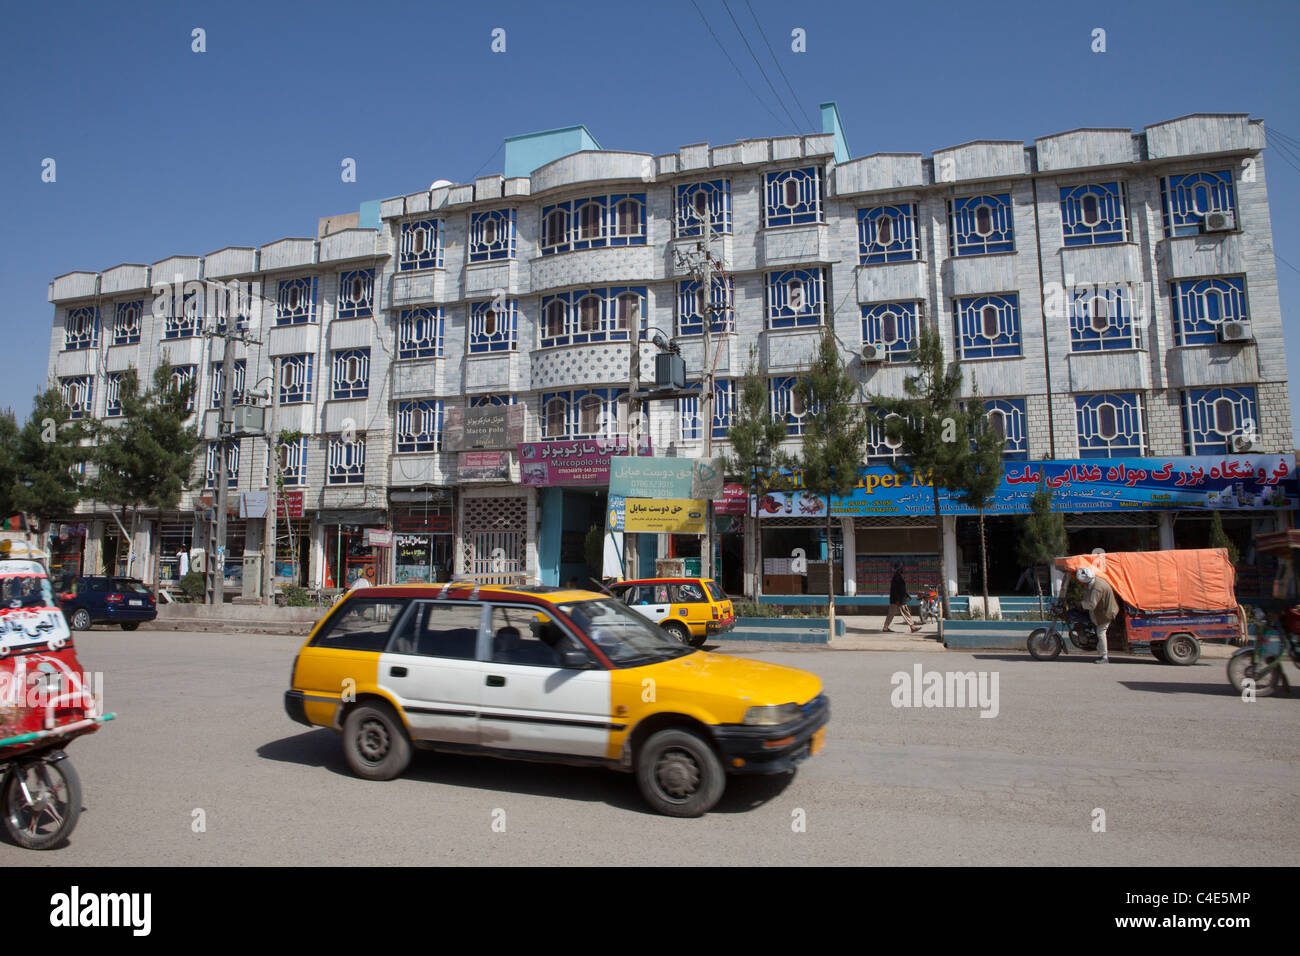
x=375, y=742
x=80, y=619
x=678, y=631
x=130, y=625
x=1182, y=649
x=679, y=774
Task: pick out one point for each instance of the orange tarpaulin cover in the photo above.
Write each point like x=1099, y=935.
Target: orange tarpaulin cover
x=1198, y=579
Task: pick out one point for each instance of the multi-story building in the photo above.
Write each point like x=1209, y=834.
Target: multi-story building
x=1110, y=294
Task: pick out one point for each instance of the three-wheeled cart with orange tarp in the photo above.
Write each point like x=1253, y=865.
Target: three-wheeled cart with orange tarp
x=1171, y=600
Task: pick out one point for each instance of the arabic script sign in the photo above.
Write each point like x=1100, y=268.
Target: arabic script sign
x=546, y=463
x=657, y=515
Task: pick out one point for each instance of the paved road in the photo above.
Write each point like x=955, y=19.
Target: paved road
x=1186, y=773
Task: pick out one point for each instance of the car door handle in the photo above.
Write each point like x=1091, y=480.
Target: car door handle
x=496, y=680
x=397, y=671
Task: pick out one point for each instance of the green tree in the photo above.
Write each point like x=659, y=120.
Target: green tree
x=10, y=470
x=51, y=451
x=145, y=461
x=594, y=550
x=836, y=428
x=981, y=476
x=1219, y=538
x=1042, y=535
x=756, y=457
x=928, y=425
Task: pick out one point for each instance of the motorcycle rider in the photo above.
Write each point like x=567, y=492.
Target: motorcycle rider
x=1099, y=601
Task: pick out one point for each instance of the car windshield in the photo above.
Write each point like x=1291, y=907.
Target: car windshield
x=624, y=636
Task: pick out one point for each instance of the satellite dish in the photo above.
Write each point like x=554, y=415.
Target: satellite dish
x=439, y=183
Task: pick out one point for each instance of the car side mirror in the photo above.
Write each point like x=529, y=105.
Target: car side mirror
x=574, y=660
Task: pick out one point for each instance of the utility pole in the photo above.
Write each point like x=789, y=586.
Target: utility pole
x=273, y=493
x=633, y=431
x=706, y=402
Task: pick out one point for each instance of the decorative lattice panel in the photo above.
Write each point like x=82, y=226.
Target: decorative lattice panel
x=493, y=538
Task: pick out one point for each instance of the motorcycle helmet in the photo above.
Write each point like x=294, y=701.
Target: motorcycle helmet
x=1085, y=575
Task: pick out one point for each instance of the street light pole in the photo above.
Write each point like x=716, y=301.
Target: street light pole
x=273, y=492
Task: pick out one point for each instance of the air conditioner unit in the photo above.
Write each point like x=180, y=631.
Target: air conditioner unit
x=872, y=353
x=1242, y=443
x=1219, y=222
x=1234, y=331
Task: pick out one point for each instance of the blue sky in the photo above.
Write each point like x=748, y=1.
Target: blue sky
x=163, y=151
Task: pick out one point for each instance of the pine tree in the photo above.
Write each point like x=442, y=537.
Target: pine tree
x=1219, y=538
x=1042, y=536
x=10, y=470
x=836, y=429
x=51, y=450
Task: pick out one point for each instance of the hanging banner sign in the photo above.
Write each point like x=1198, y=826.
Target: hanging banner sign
x=658, y=515
x=732, y=501
x=587, y=462
x=483, y=466
x=289, y=505
x=666, y=477
x=253, y=504
x=489, y=426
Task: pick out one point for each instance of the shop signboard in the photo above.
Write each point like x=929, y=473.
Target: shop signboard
x=253, y=504
x=1205, y=482
x=584, y=462
x=411, y=561
x=483, y=466
x=423, y=524
x=657, y=515
x=732, y=501
x=378, y=538
x=486, y=427
x=289, y=504
x=666, y=477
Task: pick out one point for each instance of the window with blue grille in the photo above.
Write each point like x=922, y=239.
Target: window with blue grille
x=1110, y=425
x=78, y=393
x=595, y=222
x=892, y=327
x=113, y=394
x=887, y=234
x=1094, y=214
x=186, y=377
x=1201, y=306
x=988, y=326
x=724, y=407
x=492, y=235
x=1102, y=319
x=698, y=203
x=493, y=326
x=1006, y=416
x=793, y=197
x=351, y=377
x=591, y=315
x=210, y=475
x=183, y=319
x=81, y=328
x=979, y=225
x=491, y=401
x=127, y=317
x=293, y=462
x=584, y=413
x=786, y=405
x=1188, y=197
x=233, y=299
x=420, y=333
x=1213, y=417
x=419, y=426
x=236, y=389
x=296, y=303
x=690, y=307
x=357, y=294
x=794, y=298
x=421, y=245
x=295, y=379
x=346, y=461
x=880, y=448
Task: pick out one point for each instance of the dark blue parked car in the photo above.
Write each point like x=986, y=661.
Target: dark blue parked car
x=104, y=600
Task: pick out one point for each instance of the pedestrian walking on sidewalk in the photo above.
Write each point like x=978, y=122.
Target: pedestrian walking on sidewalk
x=898, y=598
x=1099, y=601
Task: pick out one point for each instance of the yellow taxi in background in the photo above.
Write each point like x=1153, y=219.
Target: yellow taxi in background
x=542, y=673
x=690, y=609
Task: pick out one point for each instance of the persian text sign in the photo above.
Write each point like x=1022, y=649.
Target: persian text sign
x=483, y=466
x=658, y=515
x=666, y=477
x=546, y=463
x=489, y=426
x=289, y=505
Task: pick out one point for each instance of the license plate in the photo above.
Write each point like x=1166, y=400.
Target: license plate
x=818, y=740
x=135, y=603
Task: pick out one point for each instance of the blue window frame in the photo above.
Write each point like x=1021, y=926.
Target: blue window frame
x=591, y=315
x=293, y=462
x=1201, y=306
x=183, y=321
x=980, y=225
x=492, y=329
x=988, y=326
x=351, y=378
x=78, y=395
x=491, y=401
x=492, y=235
x=420, y=333
x=698, y=203
x=1007, y=417
x=295, y=379
x=583, y=413
x=421, y=245
x=113, y=394
x=1094, y=214
x=185, y=375
x=724, y=406
x=237, y=388
x=232, y=465
x=1110, y=425
x=1213, y=417
x=296, y=302
x=887, y=234
x=419, y=426
x=126, y=322
x=346, y=461
x=594, y=222
x=1187, y=197
x=879, y=449
x=690, y=307
x=794, y=298
x=357, y=294
x=81, y=328
x=1102, y=319
x=892, y=326
x=793, y=197
x=786, y=405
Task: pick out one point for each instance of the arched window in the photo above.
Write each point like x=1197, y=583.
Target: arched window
x=557, y=224
x=795, y=295
x=556, y=412
x=791, y=190
x=629, y=310
x=1090, y=210
x=489, y=231
x=998, y=423
x=701, y=203
x=1107, y=421
x=589, y=314
x=888, y=328
x=989, y=321
x=590, y=411
x=983, y=221
x=417, y=241
x=629, y=217
x=555, y=319
x=589, y=217
x=1100, y=317
x=294, y=298
x=891, y=442
x=885, y=230
x=1225, y=418
x=356, y=289
x=490, y=322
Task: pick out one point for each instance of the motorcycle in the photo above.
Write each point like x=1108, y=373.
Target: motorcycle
x=1261, y=662
x=929, y=605
x=1047, y=643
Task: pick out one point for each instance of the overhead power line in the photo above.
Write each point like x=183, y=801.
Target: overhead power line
x=793, y=122
x=733, y=62
x=793, y=95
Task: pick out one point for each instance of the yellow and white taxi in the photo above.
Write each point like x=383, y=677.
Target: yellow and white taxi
x=541, y=673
